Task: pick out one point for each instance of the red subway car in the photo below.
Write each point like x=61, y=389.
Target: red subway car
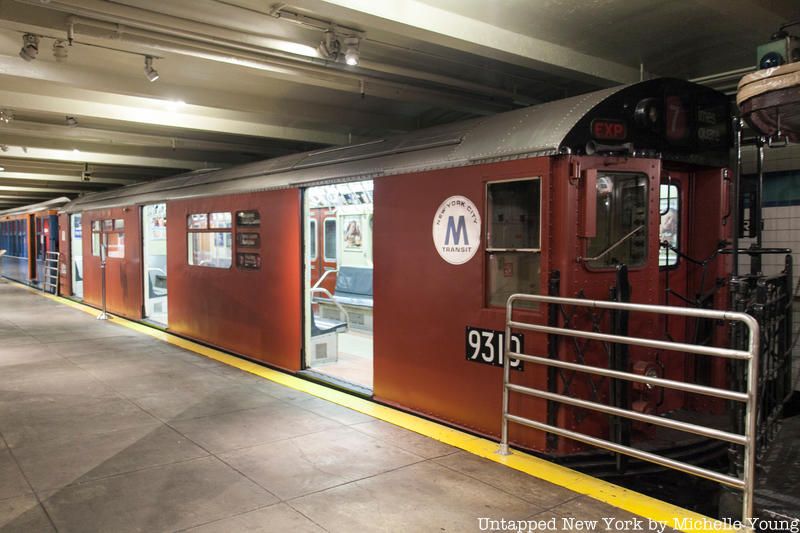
x=28, y=238
x=385, y=267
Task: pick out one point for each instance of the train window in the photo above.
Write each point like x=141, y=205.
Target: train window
x=210, y=249
x=669, y=228
x=248, y=218
x=312, y=239
x=621, y=221
x=115, y=244
x=197, y=221
x=96, y=238
x=330, y=239
x=110, y=233
x=219, y=220
x=512, y=239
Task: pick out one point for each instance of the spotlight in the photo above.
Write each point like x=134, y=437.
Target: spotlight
x=329, y=46
x=30, y=47
x=6, y=116
x=71, y=121
x=351, y=51
x=149, y=71
x=60, y=51
x=2, y=169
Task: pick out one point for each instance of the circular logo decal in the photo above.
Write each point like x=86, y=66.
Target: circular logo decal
x=457, y=230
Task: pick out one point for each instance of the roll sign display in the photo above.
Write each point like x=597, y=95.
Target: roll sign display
x=457, y=230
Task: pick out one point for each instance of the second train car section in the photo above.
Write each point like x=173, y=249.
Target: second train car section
x=27, y=234
x=385, y=267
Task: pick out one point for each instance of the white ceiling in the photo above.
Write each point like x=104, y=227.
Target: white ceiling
x=236, y=83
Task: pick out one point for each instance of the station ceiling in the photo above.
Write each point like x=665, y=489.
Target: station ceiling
x=242, y=80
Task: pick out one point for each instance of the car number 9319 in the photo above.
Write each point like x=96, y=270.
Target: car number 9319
x=488, y=347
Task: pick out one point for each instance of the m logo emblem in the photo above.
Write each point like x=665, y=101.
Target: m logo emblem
x=457, y=230
x=456, y=233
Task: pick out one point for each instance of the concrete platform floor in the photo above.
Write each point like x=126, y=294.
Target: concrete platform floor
x=106, y=429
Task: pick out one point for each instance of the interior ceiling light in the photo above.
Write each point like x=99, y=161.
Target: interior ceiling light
x=2, y=169
x=351, y=50
x=6, y=116
x=60, y=50
x=71, y=121
x=330, y=46
x=149, y=71
x=30, y=47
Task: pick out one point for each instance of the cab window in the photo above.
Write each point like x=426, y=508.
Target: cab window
x=513, y=249
x=669, y=228
x=621, y=211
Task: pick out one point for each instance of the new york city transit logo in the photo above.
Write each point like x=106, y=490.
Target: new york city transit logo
x=457, y=230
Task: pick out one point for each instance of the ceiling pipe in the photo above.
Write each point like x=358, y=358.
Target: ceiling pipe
x=350, y=82
x=170, y=27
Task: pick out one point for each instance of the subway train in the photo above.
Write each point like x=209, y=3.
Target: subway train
x=27, y=234
x=384, y=267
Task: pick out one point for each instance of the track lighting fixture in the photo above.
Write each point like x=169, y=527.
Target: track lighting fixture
x=149, y=71
x=60, y=50
x=30, y=47
x=351, y=50
x=6, y=116
x=329, y=46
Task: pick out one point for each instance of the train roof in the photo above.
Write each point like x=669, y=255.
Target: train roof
x=55, y=203
x=551, y=128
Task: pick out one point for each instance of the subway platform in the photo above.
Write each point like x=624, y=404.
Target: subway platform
x=105, y=428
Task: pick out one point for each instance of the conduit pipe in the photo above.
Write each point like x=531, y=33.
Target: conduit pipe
x=188, y=42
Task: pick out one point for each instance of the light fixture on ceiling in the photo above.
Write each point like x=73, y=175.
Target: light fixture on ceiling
x=2, y=169
x=351, y=50
x=149, y=71
x=174, y=105
x=60, y=50
x=30, y=47
x=330, y=46
x=71, y=121
x=6, y=116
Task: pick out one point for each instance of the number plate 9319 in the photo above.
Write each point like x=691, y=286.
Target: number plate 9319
x=488, y=347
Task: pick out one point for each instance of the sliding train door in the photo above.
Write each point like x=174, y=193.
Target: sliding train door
x=338, y=222
x=154, y=263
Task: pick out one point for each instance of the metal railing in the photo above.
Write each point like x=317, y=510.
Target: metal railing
x=748, y=398
x=316, y=289
x=51, y=277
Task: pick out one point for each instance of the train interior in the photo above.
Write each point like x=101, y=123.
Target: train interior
x=338, y=283
x=76, y=254
x=154, y=250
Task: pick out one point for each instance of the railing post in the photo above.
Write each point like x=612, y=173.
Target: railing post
x=103, y=256
x=751, y=419
x=506, y=375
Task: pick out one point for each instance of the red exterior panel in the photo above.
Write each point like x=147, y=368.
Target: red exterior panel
x=256, y=313
x=423, y=304
x=65, y=258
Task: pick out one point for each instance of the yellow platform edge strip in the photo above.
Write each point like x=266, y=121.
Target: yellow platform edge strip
x=645, y=506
